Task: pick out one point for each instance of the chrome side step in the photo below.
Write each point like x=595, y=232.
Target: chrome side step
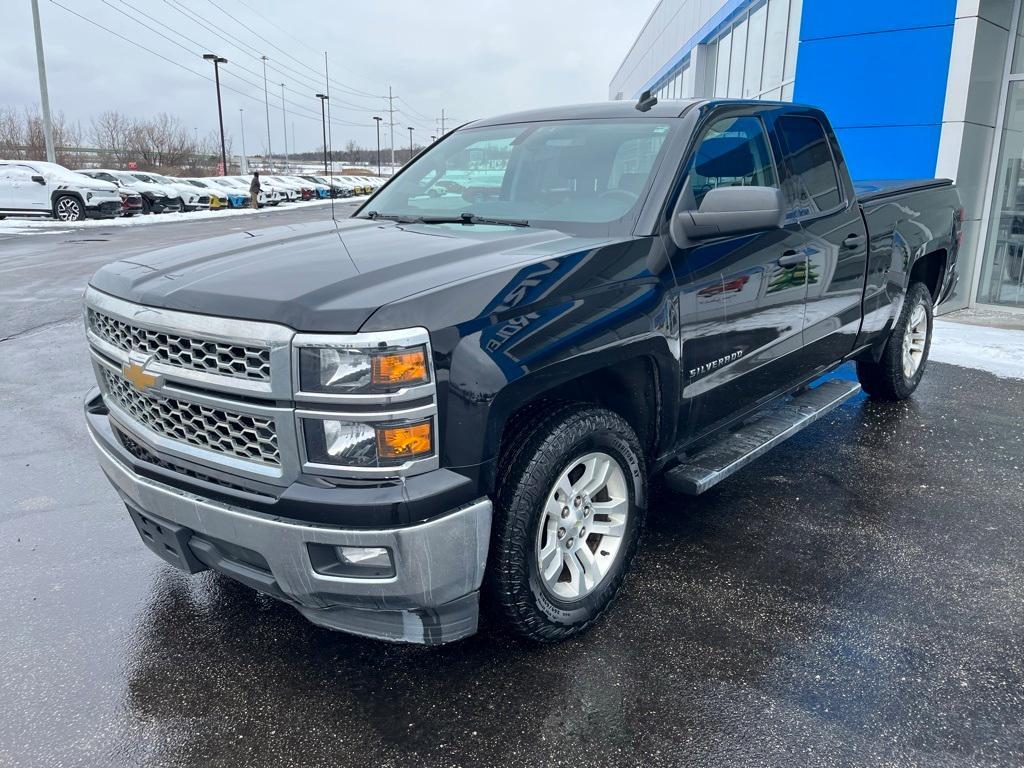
x=717, y=461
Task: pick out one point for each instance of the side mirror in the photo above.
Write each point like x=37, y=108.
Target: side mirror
x=38, y=179
x=732, y=211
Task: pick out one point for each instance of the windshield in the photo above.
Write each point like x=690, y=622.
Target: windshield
x=588, y=176
x=145, y=178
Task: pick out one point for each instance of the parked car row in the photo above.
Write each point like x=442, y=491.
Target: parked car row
x=36, y=188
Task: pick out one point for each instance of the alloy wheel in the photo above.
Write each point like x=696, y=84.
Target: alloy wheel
x=914, y=340
x=583, y=526
x=68, y=209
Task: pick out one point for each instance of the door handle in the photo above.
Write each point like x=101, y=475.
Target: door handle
x=854, y=241
x=792, y=258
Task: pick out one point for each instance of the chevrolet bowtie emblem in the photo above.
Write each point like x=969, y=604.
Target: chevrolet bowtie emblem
x=135, y=371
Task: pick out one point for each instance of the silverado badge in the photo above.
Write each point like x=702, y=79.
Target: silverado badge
x=135, y=371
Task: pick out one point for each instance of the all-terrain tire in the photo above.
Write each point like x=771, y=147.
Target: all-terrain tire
x=539, y=448
x=887, y=379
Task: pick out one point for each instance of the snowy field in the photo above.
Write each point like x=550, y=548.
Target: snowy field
x=16, y=226
x=995, y=350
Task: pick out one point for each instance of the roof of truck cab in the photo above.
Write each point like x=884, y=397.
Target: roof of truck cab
x=596, y=111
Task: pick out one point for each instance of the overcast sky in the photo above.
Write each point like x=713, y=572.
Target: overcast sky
x=474, y=58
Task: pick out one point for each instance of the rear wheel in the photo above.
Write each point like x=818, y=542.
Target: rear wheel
x=68, y=208
x=569, y=513
x=899, y=371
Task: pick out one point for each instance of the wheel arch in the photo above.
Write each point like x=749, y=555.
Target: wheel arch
x=636, y=382
x=57, y=194
x=930, y=269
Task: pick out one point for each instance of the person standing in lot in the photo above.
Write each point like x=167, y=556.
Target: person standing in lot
x=254, y=189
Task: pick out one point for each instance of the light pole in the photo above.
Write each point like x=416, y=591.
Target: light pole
x=44, y=96
x=433, y=139
x=217, y=61
x=323, y=120
x=410, y=143
x=266, y=104
x=243, y=166
x=378, y=119
x=284, y=127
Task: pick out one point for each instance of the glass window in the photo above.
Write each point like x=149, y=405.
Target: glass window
x=775, y=43
x=710, y=69
x=755, y=51
x=733, y=153
x=724, y=56
x=739, y=54
x=793, y=38
x=813, y=186
x=1017, y=66
x=575, y=175
x=1002, y=272
x=687, y=86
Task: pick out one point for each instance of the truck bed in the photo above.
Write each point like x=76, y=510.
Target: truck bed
x=875, y=189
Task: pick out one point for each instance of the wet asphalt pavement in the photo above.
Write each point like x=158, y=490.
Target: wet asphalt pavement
x=856, y=597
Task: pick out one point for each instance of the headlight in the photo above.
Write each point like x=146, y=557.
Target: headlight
x=366, y=403
x=355, y=444
x=337, y=370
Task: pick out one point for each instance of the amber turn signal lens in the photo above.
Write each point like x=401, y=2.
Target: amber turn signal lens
x=407, y=367
x=406, y=441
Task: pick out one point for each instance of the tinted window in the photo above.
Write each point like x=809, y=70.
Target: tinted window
x=733, y=153
x=814, y=186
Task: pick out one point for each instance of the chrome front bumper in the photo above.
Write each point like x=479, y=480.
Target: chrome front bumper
x=432, y=597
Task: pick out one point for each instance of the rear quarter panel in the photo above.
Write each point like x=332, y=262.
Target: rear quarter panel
x=902, y=229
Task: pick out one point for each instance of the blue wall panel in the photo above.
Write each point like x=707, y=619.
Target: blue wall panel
x=890, y=78
x=832, y=18
x=883, y=90
x=906, y=152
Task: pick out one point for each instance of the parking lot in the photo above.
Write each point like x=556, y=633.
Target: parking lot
x=855, y=597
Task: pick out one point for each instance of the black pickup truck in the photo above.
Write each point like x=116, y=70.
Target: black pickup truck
x=464, y=388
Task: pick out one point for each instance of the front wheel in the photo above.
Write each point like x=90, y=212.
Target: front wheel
x=67, y=208
x=899, y=371
x=568, y=516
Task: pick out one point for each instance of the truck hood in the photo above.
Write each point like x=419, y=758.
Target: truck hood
x=321, y=276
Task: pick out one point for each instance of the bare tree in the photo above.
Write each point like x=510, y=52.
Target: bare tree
x=12, y=134
x=110, y=133
x=162, y=141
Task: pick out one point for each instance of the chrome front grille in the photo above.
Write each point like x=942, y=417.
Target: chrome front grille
x=244, y=436
x=205, y=356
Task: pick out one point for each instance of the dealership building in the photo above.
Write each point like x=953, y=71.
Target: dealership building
x=914, y=89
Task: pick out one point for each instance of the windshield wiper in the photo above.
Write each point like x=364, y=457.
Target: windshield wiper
x=374, y=215
x=472, y=218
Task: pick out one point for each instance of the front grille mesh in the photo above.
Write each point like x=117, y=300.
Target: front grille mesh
x=240, y=435
x=235, y=360
x=142, y=453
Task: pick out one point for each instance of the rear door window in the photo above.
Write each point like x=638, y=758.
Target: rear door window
x=813, y=184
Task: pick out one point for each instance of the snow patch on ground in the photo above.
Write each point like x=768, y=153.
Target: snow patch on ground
x=996, y=350
x=15, y=226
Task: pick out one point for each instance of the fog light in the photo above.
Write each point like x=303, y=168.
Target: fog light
x=369, y=557
x=351, y=562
